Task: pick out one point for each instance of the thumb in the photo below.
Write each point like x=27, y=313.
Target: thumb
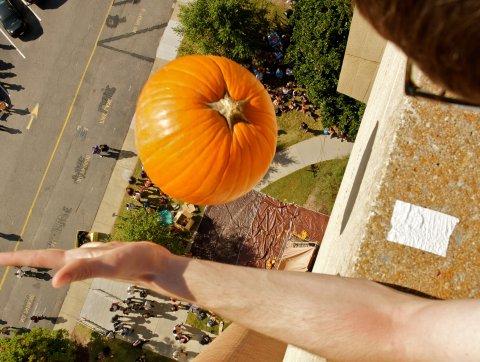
x=81, y=269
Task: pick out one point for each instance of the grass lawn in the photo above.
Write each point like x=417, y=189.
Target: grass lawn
x=122, y=211
x=289, y=131
x=121, y=350
x=200, y=324
x=193, y=320
x=316, y=192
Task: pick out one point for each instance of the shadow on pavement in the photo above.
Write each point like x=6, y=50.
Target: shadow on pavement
x=10, y=237
x=38, y=275
x=34, y=28
x=50, y=4
x=9, y=130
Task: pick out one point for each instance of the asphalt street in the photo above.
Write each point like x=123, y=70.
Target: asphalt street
x=85, y=62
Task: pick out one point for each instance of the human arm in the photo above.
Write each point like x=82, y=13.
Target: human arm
x=338, y=318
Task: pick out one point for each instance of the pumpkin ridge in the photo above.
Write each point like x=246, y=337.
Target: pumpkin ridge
x=173, y=139
x=247, y=144
x=205, y=123
x=193, y=75
x=176, y=85
x=191, y=164
x=221, y=173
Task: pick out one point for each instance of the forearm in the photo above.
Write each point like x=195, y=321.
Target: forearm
x=443, y=331
x=338, y=318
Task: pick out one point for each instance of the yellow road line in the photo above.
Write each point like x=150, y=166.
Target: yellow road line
x=67, y=118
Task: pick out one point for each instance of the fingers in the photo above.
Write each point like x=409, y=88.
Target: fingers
x=80, y=269
x=51, y=259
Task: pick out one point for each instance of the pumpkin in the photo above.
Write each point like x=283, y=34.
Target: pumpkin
x=205, y=129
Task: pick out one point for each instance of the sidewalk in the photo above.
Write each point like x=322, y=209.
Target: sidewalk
x=303, y=154
x=105, y=218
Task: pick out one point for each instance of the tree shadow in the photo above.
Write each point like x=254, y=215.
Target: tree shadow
x=282, y=158
x=211, y=243
x=10, y=237
x=281, y=132
x=50, y=4
x=7, y=47
x=352, y=198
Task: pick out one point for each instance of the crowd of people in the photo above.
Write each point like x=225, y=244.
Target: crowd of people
x=138, y=303
x=277, y=77
x=139, y=189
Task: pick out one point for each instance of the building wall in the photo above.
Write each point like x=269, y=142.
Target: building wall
x=361, y=60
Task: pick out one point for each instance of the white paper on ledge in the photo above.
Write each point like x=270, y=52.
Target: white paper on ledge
x=421, y=228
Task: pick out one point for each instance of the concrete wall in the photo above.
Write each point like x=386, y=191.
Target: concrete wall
x=361, y=60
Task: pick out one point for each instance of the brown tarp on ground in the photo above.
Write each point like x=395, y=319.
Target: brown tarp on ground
x=254, y=230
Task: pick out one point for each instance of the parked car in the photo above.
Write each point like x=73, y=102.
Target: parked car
x=11, y=19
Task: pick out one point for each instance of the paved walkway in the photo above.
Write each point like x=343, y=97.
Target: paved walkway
x=158, y=329
x=303, y=154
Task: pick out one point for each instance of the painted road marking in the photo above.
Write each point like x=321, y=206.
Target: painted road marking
x=139, y=20
x=67, y=118
x=27, y=307
x=33, y=115
x=13, y=44
x=30, y=8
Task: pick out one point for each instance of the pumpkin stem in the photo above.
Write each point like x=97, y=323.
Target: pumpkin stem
x=230, y=109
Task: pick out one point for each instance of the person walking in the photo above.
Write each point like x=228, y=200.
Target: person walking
x=4, y=107
x=20, y=273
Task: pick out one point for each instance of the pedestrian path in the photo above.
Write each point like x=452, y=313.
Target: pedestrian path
x=302, y=154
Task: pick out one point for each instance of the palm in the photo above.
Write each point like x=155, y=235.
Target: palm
x=125, y=261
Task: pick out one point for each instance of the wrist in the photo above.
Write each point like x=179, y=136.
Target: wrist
x=167, y=277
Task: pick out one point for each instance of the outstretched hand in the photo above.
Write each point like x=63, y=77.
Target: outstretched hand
x=136, y=262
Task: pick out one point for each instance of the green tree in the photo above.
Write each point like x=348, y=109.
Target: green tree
x=39, y=344
x=140, y=225
x=230, y=28
x=319, y=38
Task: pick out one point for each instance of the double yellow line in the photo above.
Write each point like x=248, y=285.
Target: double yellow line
x=57, y=143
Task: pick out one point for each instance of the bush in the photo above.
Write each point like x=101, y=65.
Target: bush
x=319, y=38
x=230, y=28
x=39, y=344
x=140, y=224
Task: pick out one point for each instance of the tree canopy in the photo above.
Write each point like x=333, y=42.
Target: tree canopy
x=318, y=42
x=230, y=28
x=39, y=344
x=140, y=224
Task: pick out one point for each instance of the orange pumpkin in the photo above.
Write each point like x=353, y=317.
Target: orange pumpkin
x=205, y=129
